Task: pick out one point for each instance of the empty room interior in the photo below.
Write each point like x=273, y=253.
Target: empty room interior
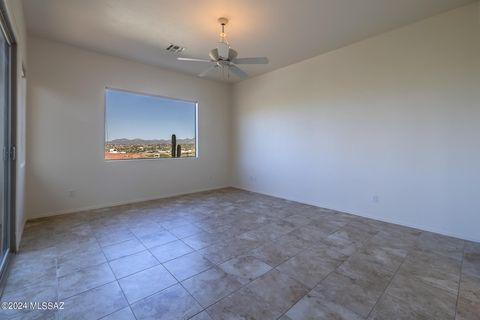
x=242, y=159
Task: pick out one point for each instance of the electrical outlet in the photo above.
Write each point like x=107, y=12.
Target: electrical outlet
x=71, y=193
x=376, y=198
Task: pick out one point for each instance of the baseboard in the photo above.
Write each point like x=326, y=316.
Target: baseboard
x=18, y=236
x=122, y=203
x=396, y=222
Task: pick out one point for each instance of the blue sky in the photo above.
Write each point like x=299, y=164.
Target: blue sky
x=130, y=115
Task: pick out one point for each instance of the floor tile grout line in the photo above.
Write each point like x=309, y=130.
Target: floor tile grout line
x=108, y=262
x=130, y=304
x=200, y=248
x=316, y=243
x=310, y=290
x=363, y=244
x=231, y=293
x=178, y=282
x=118, y=284
x=389, y=283
x=236, y=237
x=96, y=264
x=109, y=282
x=159, y=262
x=460, y=279
x=248, y=283
x=296, y=301
x=116, y=243
x=268, y=242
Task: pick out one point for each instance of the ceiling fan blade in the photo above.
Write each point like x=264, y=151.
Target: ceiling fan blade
x=207, y=71
x=193, y=59
x=238, y=72
x=257, y=60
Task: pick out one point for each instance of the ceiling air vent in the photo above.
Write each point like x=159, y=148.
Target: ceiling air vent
x=174, y=48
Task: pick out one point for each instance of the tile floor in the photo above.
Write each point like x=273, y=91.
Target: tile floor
x=232, y=254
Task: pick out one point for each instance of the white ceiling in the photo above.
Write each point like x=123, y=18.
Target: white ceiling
x=286, y=31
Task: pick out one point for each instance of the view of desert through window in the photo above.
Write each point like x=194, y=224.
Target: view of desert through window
x=139, y=126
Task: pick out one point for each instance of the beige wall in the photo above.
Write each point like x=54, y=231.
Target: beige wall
x=66, y=132
x=15, y=14
x=395, y=118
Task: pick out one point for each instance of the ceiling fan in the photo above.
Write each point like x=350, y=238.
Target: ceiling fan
x=225, y=58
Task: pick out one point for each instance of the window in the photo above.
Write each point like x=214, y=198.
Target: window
x=139, y=126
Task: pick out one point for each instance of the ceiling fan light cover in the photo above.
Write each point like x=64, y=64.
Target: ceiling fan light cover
x=223, y=50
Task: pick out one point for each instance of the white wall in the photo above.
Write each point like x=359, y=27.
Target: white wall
x=394, y=116
x=66, y=132
x=397, y=116
x=15, y=14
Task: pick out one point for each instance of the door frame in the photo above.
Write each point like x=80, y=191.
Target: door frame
x=7, y=30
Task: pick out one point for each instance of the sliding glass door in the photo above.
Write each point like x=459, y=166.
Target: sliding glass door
x=5, y=127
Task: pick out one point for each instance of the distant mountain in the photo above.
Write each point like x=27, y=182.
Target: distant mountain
x=155, y=141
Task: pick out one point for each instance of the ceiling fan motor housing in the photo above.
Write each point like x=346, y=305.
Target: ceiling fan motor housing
x=232, y=54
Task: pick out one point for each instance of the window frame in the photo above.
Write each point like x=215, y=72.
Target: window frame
x=195, y=102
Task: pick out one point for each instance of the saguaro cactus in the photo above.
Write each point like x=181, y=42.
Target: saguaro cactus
x=179, y=151
x=174, y=146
